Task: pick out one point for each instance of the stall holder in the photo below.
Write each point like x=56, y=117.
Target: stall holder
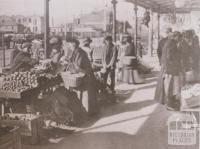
x=30, y=125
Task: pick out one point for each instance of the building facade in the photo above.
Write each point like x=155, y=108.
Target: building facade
x=58, y=30
x=33, y=24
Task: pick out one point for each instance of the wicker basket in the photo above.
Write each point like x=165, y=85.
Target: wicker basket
x=72, y=80
x=129, y=60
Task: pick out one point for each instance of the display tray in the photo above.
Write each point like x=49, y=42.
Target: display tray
x=11, y=140
x=190, y=104
x=17, y=95
x=190, y=97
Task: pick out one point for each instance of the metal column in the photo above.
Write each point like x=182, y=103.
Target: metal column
x=46, y=30
x=4, y=52
x=158, y=26
x=150, y=46
x=114, y=2
x=136, y=26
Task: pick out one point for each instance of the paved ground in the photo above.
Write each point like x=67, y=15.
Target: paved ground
x=136, y=122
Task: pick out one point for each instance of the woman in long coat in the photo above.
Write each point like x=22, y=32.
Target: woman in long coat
x=80, y=63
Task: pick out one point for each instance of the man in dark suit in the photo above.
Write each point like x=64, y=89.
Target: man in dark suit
x=171, y=69
x=109, y=62
x=162, y=43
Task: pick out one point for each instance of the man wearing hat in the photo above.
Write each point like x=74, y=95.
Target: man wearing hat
x=162, y=42
x=109, y=60
x=86, y=47
x=23, y=60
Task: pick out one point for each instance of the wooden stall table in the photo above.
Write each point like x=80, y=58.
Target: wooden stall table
x=5, y=96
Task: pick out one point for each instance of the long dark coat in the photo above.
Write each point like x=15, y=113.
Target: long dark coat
x=168, y=87
x=81, y=63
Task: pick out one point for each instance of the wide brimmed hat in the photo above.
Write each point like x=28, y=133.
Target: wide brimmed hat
x=73, y=40
x=127, y=37
x=88, y=40
x=168, y=30
x=108, y=38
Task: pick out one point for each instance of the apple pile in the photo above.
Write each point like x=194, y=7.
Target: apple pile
x=20, y=81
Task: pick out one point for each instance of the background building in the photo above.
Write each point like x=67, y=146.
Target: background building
x=21, y=24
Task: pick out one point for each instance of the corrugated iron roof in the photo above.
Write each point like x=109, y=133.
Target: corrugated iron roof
x=167, y=6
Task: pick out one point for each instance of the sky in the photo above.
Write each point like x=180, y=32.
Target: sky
x=63, y=10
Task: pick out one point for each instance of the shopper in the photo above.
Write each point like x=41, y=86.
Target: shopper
x=169, y=85
x=86, y=47
x=79, y=62
x=109, y=62
x=162, y=42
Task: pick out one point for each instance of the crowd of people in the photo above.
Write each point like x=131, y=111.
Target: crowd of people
x=178, y=54
x=69, y=55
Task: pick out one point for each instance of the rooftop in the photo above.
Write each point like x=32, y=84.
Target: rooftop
x=168, y=6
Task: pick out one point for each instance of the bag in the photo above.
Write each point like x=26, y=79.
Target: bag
x=189, y=76
x=137, y=77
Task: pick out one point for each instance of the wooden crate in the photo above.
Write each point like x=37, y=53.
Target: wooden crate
x=32, y=128
x=17, y=95
x=12, y=140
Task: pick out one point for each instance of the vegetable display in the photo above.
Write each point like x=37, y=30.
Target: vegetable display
x=20, y=81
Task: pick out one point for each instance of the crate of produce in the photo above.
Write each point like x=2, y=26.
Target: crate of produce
x=72, y=80
x=10, y=138
x=190, y=96
x=18, y=95
x=30, y=125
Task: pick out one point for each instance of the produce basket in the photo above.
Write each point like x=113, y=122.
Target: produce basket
x=129, y=60
x=72, y=80
x=11, y=140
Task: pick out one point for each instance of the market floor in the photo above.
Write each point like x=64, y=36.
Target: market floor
x=136, y=122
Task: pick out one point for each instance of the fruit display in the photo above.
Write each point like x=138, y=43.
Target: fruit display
x=43, y=65
x=19, y=81
x=4, y=130
x=190, y=96
x=190, y=90
x=18, y=117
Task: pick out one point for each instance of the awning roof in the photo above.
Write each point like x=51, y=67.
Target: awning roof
x=166, y=6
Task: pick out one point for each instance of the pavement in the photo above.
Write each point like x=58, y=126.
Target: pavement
x=136, y=122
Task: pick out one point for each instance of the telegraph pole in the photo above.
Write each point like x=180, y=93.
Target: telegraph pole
x=46, y=28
